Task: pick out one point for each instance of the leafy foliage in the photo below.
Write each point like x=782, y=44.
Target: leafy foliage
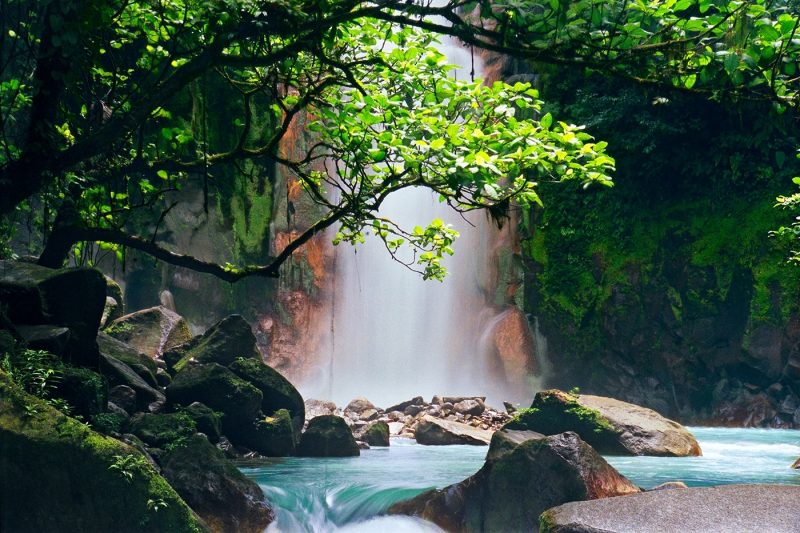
x=103, y=126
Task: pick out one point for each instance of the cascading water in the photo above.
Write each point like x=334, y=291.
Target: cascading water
x=394, y=335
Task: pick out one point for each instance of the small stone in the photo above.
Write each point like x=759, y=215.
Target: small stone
x=469, y=407
x=671, y=485
x=510, y=408
x=369, y=414
x=362, y=445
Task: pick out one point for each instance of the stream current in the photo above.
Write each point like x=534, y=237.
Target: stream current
x=350, y=494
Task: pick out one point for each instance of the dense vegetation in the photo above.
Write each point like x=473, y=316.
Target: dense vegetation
x=106, y=107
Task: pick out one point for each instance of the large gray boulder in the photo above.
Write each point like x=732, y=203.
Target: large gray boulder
x=772, y=508
x=118, y=373
x=610, y=426
x=437, y=431
x=525, y=473
x=151, y=331
x=327, y=436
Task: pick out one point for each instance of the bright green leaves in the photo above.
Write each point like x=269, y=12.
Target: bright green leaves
x=410, y=123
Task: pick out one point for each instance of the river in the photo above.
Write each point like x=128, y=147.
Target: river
x=349, y=494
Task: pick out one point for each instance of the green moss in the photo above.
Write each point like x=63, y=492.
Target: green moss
x=41, y=443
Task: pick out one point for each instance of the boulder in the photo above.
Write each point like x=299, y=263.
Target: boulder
x=159, y=430
x=417, y=400
x=796, y=464
x=271, y=436
x=694, y=510
x=223, y=343
x=123, y=397
x=118, y=373
x=215, y=488
x=327, y=436
x=670, y=485
x=610, y=426
x=207, y=421
x=277, y=392
x=315, y=408
x=436, y=431
x=137, y=361
x=53, y=339
x=376, y=434
x=358, y=406
x=221, y=390
x=84, y=390
x=525, y=473
x=69, y=297
x=469, y=407
x=59, y=475
x=151, y=331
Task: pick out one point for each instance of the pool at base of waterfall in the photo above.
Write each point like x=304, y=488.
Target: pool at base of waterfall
x=350, y=494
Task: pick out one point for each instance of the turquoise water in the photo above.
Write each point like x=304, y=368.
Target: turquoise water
x=347, y=495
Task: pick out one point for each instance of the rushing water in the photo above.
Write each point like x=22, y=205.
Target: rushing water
x=348, y=495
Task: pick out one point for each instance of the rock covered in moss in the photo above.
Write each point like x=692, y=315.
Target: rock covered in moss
x=118, y=373
x=525, y=473
x=59, y=475
x=278, y=392
x=223, y=391
x=84, y=390
x=207, y=421
x=122, y=351
x=327, y=436
x=610, y=426
x=223, y=343
x=771, y=508
x=271, y=436
x=70, y=297
x=151, y=331
x=159, y=430
x=438, y=432
x=376, y=434
x=213, y=486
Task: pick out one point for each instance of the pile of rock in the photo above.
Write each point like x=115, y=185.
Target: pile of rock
x=443, y=420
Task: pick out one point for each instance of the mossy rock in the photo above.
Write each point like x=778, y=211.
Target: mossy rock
x=208, y=421
x=271, y=436
x=151, y=331
x=376, y=434
x=71, y=297
x=525, y=473
x=159, y=430
x=278, y=392
x=215, y=488
x=611, y=426
x=327, y=436
x=84, y=390
x=223, y=343
x=221, y=390
x=554, y=411
x=108, y=423
x=59, y=475
x=143, y=365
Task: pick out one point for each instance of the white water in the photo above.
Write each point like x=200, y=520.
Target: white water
x=393, y=335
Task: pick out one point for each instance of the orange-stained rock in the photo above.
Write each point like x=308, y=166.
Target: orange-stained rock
x=513, y=340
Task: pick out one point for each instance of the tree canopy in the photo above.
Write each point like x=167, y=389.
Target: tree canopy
x=93, y=125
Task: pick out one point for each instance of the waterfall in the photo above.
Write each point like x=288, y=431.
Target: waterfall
x=392, y=334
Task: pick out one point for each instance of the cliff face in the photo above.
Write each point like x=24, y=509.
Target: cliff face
x=667, y=290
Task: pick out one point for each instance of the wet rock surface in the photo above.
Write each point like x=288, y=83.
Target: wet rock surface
x=770, y=508
x=525, y=473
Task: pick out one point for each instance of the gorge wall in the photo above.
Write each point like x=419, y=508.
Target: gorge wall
x=667, y=290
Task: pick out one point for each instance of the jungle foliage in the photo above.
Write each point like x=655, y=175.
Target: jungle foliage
x=95, y=124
